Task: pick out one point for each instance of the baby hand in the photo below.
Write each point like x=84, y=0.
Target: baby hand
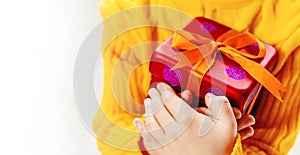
x=244, y=122
x=173, y=127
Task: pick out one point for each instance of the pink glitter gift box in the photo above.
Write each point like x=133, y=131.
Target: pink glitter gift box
x=225, y=77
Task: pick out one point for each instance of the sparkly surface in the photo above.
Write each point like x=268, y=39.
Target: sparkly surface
x=206, y=26
x=235, y=73
x=174, y=77
x=215, y=91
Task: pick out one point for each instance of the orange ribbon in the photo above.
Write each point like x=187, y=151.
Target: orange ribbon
x=202, y=51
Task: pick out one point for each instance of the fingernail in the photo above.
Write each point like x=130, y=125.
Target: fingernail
x=208, y=95
x=150, y=91
x=137, y=125
x=160, y=86
x=250, y=122
x=148, y=108
x=147, y=101
x=134, y=123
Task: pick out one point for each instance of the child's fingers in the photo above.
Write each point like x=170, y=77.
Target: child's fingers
x=148, y=109
x=202, y=110
x=139, y=124
x=237, y=113
x=162, y=115
x=187, y=96
x=160, y=127
x=245, y=121
x=208, y=99
x=149, y=141
x=169, y=98
x=162, y=86
x=156, y=101
x=218, y=105
x=181, y=111
x=246, y=132
x=150, y=122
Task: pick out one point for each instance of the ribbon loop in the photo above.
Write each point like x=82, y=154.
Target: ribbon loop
x=199, y=49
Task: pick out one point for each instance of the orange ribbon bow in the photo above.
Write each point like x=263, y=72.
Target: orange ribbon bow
x=201, y=51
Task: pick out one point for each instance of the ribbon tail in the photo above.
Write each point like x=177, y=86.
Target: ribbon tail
x=181, y=42
x=194, y=55
x=182, y=61
x=260, y=74
x=197, y=73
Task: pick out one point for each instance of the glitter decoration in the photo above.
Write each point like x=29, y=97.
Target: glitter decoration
x=235, y=73
x=174, y=77
x=215, y=91
x=207, y=27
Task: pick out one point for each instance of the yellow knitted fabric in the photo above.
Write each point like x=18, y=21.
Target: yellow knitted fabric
x=274, y=22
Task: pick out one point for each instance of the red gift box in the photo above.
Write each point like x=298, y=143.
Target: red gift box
x=224, y=77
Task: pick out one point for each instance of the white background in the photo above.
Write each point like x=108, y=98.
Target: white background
x=39, y=43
